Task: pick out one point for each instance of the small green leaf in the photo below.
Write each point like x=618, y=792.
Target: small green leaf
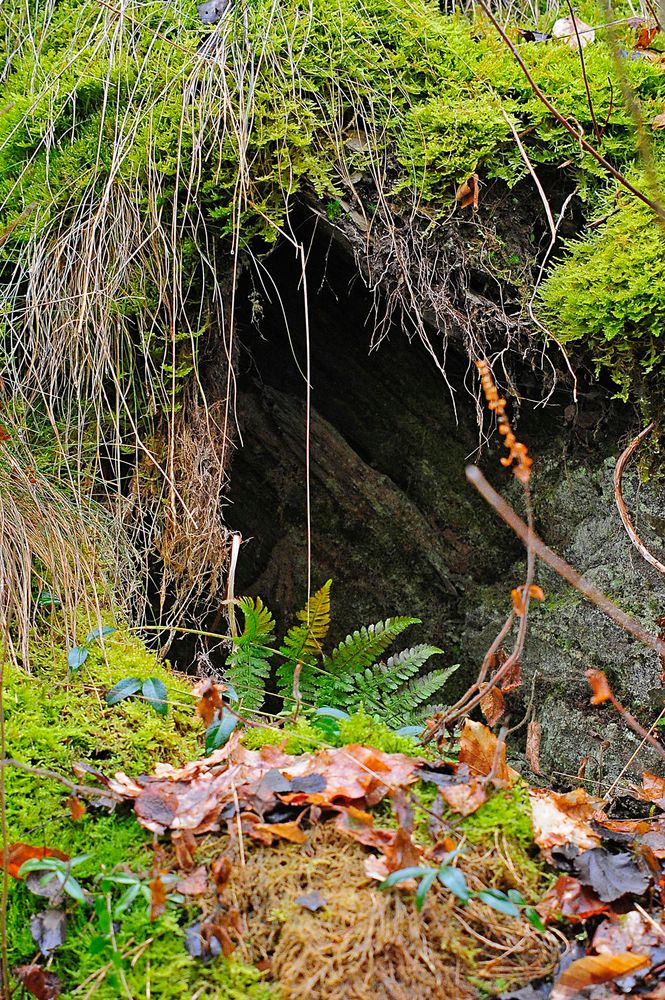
x=77, y=656
x=127, y=898
x=424, y=887
x=516, y=897
x=231, y=694
x=48, y=600
x=95, y=633
x=534, y=919
x=123, y=689
x=329, y=728
x=454, y=880
x=219, y=731
x=154, y=693
x=331, y=713
x=409, y=731
x=73, y=889
x=403, y=874
x=498, y=901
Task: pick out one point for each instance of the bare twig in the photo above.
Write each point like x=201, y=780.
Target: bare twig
x=83, y=791
x=580, y=49
x=657, y=209
x=623, y=510
x=560, y=566
x=597, y=677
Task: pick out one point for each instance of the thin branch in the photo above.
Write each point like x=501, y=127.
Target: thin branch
x=623, y=510
x=621, y=178
x=82, y=791
x=560, y=566
x=580, y=49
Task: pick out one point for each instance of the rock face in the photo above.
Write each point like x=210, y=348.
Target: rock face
x=400, y=531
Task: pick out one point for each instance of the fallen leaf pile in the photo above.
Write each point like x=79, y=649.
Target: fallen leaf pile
x=267, y=796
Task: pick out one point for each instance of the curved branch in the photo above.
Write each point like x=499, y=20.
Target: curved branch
x=623, y=510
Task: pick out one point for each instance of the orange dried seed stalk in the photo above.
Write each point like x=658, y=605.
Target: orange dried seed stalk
x=517, y=452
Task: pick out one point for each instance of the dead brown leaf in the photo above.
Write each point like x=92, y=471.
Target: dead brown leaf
x=493, y=705
x=402, y=853
x=645, y=37
x=42, y=984
x=468, y=192
x=221, y=869
x=600, y=687
x=157, y=896
x=564, y=818
x=478, y=749
x=211, y=700
x=631, y=933
x=518, y=597
x=195, y=883
x=286, y=831
x=652, y=790
x=659, y=120
x=565, y=28
x=570, y=899
x=76, y=808
x=595, y=969
x=19, y=853
x=184, y=845
x=465, y=798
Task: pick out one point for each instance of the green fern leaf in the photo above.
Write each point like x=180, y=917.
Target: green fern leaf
x=407, y=704
x=358, y=652
x=383, y=678
x=247, y=665
x=302, y=644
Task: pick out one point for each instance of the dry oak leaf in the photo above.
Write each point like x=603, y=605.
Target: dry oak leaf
x=565, y=28
x=478, y=749
x=19, y=853
x=157, y=897
x=645, y=37
x=211, y=699
x=564, y=818
x=273, y=831
x=595, y=969
x=402, y=853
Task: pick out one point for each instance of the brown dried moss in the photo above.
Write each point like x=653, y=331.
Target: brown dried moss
x=367, y=944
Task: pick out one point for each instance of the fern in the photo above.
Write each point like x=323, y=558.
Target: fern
x=355, y=654
x=302, y=644
x=384, y=678
x=247, y=665
x=405, y=705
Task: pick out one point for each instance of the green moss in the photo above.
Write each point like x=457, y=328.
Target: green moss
x=54, y=719
x=507, y=813
x=608, y=296
x=304, y=737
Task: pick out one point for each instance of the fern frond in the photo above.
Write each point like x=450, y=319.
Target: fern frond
x=247, y=666
x=384, y=678
x=405, y=705
x=302, y=644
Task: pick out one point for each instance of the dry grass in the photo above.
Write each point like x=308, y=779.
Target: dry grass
x=367, y=944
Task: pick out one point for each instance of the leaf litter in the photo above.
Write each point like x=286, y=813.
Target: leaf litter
x=352, y=809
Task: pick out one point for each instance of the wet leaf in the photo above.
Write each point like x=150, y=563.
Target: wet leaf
x=42, y=984
x=493, y=705
x=479, y=747
x=600, y=687
x=652, y=790
x=123, y=689
x=154, y=692
x=332, y=713
x=595, y=969
x=48, y=929
x=19, y=853
x=454, y=880
x=312, y=901
x=610, y=875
